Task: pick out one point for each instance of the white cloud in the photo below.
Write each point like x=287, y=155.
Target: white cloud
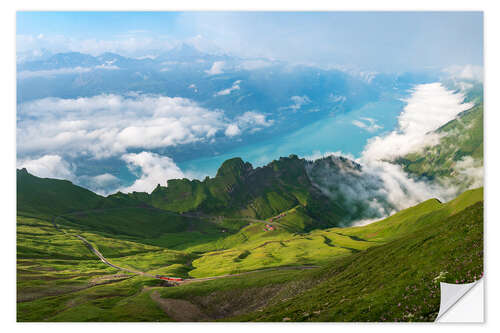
x=147, y=56
x=100, y=184
x=429, y=107
x=52, y=72
x=253, y=119
x=203, y=44
x=232, y=130
x=154, y=169
x=368, y=124
x=337, y=98
x=470, y=172
x=235, y=86
x=128, y=44
x=193, y=86
x=217, y=68
x=298, y=102
x=364, y=222
x=48, y=166
x=318, y=154
x=366, y=76
x=250, y=121
x=108, y=65
x=109, y=125
x=63, y=71
x=467, y=72
x=402, y=191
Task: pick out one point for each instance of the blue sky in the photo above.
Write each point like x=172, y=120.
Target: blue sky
x=385, y=41
x=98, y=24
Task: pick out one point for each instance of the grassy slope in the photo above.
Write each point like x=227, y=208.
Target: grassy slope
x=47, y=197
x=126, y=300
x=49, y=262
x=51, y=197
x=58, y=277
x=254, y=248
x=398, y=281
x=394, y=281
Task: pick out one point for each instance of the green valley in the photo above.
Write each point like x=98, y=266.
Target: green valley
x=288, y=266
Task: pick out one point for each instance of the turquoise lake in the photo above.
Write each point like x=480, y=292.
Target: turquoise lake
x=331, y=134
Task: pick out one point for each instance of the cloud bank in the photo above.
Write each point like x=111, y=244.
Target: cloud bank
x=48, y=166
x=467, y=72
x=63, y=71
x=298, y=102
x=109, y=125
x=217, y=68
x=55, y=166
x=385, y=186
x=152, y=169
x=429, y=107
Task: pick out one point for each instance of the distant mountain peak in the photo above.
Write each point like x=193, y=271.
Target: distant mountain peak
x=184, y=50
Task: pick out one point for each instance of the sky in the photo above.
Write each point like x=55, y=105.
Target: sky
x=55, y=132
x=383, y=41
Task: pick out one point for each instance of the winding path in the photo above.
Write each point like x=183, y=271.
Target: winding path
x=184, y=281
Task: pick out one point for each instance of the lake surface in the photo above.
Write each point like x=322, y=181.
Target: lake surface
x=332, y=134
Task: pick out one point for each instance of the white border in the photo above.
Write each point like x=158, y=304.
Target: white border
x=492, y=140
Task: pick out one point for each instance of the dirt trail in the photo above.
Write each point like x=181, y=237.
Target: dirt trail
x=179, y=310
x=107, y=262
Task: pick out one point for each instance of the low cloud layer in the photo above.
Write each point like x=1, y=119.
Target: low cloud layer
x=48, y=166
x=100, y=184
x=297, y=103
x=217, y=68
x=109, y=125
x=250, y=121
x=429, y=107
x=470, y=172
x=152, y=169
x=143, y=122
x=55, y=166
x=467, y=72
x=63, y=71
x=384, y=186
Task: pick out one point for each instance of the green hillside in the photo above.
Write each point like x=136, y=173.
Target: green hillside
x=395, y=278
x=398, y=281
x=51, y=197
x=255, y=248
x=365, y=272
